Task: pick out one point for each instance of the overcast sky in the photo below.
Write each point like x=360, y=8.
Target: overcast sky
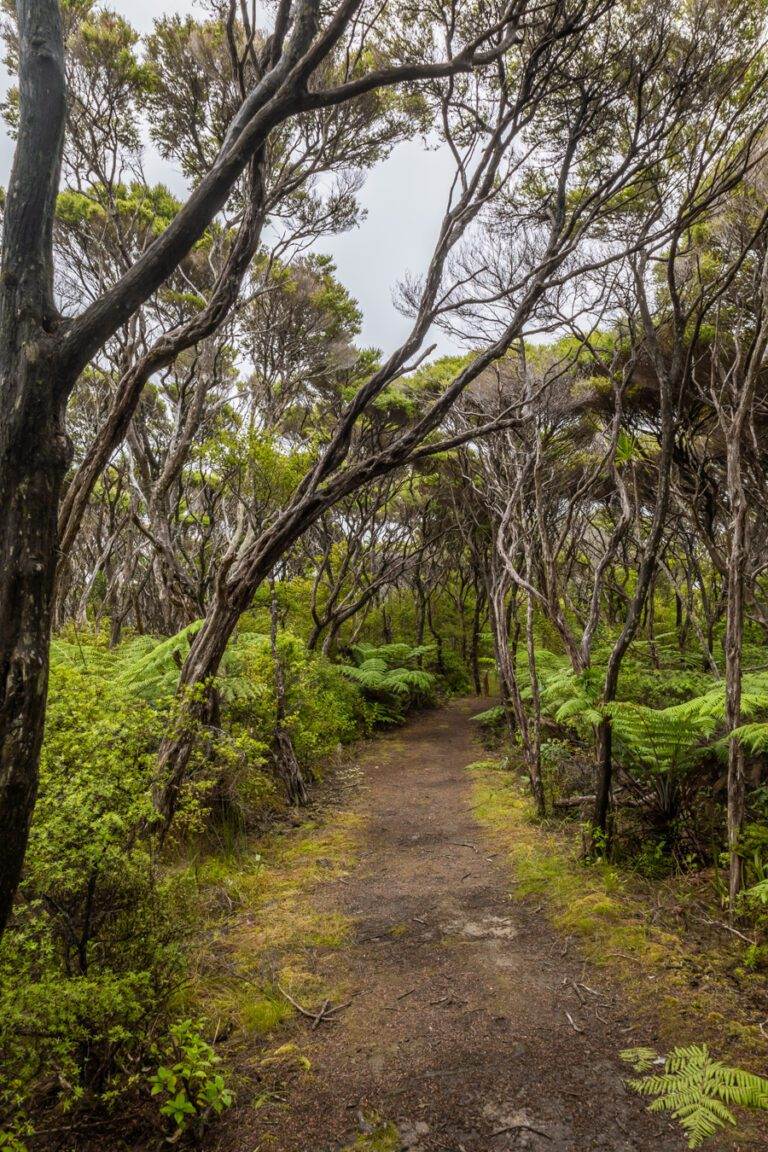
x=404, y=199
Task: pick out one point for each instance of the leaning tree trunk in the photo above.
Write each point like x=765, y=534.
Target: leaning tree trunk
x=645, y=576
x=32, y=470
x=196, y=702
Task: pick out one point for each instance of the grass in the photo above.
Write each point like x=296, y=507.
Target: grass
x=261, y=931
x=690, y=993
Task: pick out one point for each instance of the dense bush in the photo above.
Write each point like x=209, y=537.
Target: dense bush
x=92, y=970
x=93, y=958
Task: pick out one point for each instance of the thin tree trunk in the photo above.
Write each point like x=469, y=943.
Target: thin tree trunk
x=474, y=650
x=285, y=756
x=533, y=749
x=733, y=652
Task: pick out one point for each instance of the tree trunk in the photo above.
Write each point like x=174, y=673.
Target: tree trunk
x=32, y=470
x=533, y=749
x=34, y=449
x=733, y=649
x=197, y=703
x=285, y=756
x=474, y=650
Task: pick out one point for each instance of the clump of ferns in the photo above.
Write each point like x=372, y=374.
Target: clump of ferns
x=390, y=677
x=695, y=1088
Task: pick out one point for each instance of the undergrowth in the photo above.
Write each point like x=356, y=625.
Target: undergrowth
x=267, y=931
x=697, y=994
x=699, y=1091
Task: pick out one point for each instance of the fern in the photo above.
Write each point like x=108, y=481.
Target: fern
x=698, y=1090
x=151, y=669
x=754, y=737
x=572, y=697
x=388, y=674
x=490, y=719
x=661, y=739
x=758, y=892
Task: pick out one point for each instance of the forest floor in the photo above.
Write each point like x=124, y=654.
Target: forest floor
x=472, y=1025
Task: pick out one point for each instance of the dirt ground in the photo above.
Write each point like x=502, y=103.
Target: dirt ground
x=466, y=1028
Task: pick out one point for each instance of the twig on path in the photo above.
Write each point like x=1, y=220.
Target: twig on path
x=410, y=992
x=575, y=987
x=464, y=844
x=573, y=1023
x=327, y=1013
x=521, y=1127
x=466, y=875
x=725, y=927
x=320, y=1014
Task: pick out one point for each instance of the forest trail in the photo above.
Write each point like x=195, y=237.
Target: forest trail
x=458, y=1031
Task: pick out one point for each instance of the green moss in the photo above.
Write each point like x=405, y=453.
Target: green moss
x=263, y=919
x=690, y=993
x=383, y=1138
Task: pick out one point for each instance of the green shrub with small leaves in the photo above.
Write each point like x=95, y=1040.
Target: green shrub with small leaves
x=188, y=1080
x=93, y=954
x=94, y=960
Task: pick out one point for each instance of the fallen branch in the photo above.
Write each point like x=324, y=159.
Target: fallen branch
x=521, y=1127
x=726, y=928
x=573, y=1023
x=327, y=1013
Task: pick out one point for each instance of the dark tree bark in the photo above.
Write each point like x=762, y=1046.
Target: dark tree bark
x=34, y=448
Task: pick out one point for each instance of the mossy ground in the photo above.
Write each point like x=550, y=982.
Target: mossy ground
x=690, y=992
x=382, y=1137
x=261, y=933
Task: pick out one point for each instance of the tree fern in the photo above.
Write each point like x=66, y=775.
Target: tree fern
x=150, y=668
x=571, y=697
x=387, y=675
x=758, y=892
x=661, y=739
x=754, y=736
x=698, y=1090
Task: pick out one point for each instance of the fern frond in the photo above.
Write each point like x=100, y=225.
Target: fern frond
x=641, y=1059
x=696, y=1089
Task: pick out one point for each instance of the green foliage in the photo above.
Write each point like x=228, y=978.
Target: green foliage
x=324, y=708
x=390, y=679
x=492, y=720
x=661, y=740
x=93, y=955
x=696, y=1089
x=188, y=1080
x=92, y=964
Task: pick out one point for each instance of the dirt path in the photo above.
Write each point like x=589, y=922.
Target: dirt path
x=458, y=1028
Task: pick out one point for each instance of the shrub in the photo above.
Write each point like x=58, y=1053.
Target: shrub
x=93, y=955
